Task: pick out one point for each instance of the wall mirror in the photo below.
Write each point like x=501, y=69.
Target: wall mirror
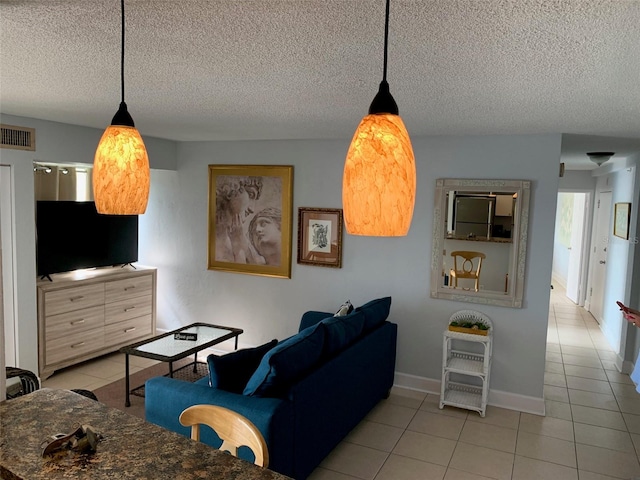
x=485, y=223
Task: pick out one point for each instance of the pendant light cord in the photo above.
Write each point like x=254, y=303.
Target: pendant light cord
x=122, y=116
x=386, y=42
x=122, y=53
x=383, y=102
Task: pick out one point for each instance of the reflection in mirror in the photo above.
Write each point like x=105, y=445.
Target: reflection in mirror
x=68, y=182
x=480, y=240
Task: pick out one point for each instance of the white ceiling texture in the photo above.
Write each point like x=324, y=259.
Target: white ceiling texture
x=300, y=69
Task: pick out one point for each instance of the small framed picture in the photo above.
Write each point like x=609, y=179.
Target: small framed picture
x=622, y=215
x=320, y=237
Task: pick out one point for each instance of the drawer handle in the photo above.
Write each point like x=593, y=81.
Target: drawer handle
x=128, y=309
x=127, y=330
x=79, y=297
x=77, y=322
x=77, y=345
x=129, y=288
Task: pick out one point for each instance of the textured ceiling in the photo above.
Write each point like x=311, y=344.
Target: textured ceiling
x=287, y=69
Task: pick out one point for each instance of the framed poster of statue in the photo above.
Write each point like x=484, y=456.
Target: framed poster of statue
x=250, y=218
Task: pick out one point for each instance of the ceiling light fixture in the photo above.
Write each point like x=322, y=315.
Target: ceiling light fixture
x=600, y=157
x=379, y=180
x=41, y=168
x=121, y=165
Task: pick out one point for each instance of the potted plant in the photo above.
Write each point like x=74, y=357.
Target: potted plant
x=469, y=322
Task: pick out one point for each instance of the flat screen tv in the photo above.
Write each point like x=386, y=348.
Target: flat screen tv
x=73, y=235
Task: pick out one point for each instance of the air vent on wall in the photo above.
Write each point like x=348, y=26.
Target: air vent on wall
x=19, y=138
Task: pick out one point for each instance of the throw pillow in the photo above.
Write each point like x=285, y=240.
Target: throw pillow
x=342, y=331
x=311, y=318
x=232, y=371
x=375, y=312
x=345, y=309
x=286, y=362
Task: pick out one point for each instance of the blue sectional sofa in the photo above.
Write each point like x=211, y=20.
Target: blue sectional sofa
x=306, y=393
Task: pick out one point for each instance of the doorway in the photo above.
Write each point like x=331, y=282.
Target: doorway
x=6, y=260
x=571, y=244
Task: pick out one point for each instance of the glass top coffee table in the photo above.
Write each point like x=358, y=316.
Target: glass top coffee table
x=177, y=344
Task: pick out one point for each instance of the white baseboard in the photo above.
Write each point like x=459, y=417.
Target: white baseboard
x=515, y=401
x=420, y=384
x=555, y=278
x=497, y=398
x=625, y=366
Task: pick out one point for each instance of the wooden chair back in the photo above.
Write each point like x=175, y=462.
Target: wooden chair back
x=234, y=429
x=470, y=264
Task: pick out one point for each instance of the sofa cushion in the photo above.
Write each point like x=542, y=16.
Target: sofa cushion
x=375, y=312
x=287, y=362
x=312, y=318
x=341, y=332
x=232, y=371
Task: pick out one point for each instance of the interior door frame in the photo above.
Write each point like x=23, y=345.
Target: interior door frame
x=583, y=267
x=10, y=328
x=595, y=234
x=3, y=379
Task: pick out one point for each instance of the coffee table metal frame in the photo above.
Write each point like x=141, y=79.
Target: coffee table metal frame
x=133, y=349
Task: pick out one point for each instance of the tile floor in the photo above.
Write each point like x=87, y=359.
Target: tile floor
x=591, y=430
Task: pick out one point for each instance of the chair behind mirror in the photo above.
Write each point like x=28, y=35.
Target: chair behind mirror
x=470, y=266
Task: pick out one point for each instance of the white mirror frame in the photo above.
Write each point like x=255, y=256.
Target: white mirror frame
x=518, y=254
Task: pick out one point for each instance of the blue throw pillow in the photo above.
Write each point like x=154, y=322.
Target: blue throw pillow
x=311, y=318
x=286, y=362
x=342, y=331
x=375, y=312
x=232, y=371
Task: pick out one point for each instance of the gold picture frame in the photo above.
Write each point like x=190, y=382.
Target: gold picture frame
x=621, y=218
x=320, y=237
x=250, y=219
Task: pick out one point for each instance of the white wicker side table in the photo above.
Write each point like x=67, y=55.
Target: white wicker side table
x=461, y=359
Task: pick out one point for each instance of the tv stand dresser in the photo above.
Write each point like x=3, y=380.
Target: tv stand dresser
x=85, y=314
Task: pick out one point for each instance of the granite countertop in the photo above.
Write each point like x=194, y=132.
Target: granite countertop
x=131, y=448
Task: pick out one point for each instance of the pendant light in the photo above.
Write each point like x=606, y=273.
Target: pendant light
x=379, y=181
x=121, y=165
x=600, y=157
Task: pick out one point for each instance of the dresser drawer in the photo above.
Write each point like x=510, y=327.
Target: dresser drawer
x=127, y=309
x=74, y=298
x=74, y=345
x=128, y=331
x=129, y=288
x=73, y=322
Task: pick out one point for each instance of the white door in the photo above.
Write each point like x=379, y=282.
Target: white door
x=3, y=381
x=599, y=265
x=574, y=277
x=6, y=241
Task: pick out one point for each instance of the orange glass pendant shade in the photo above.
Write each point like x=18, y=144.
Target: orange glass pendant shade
x=121, y=166
x=121, y=172
x=379, y=181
